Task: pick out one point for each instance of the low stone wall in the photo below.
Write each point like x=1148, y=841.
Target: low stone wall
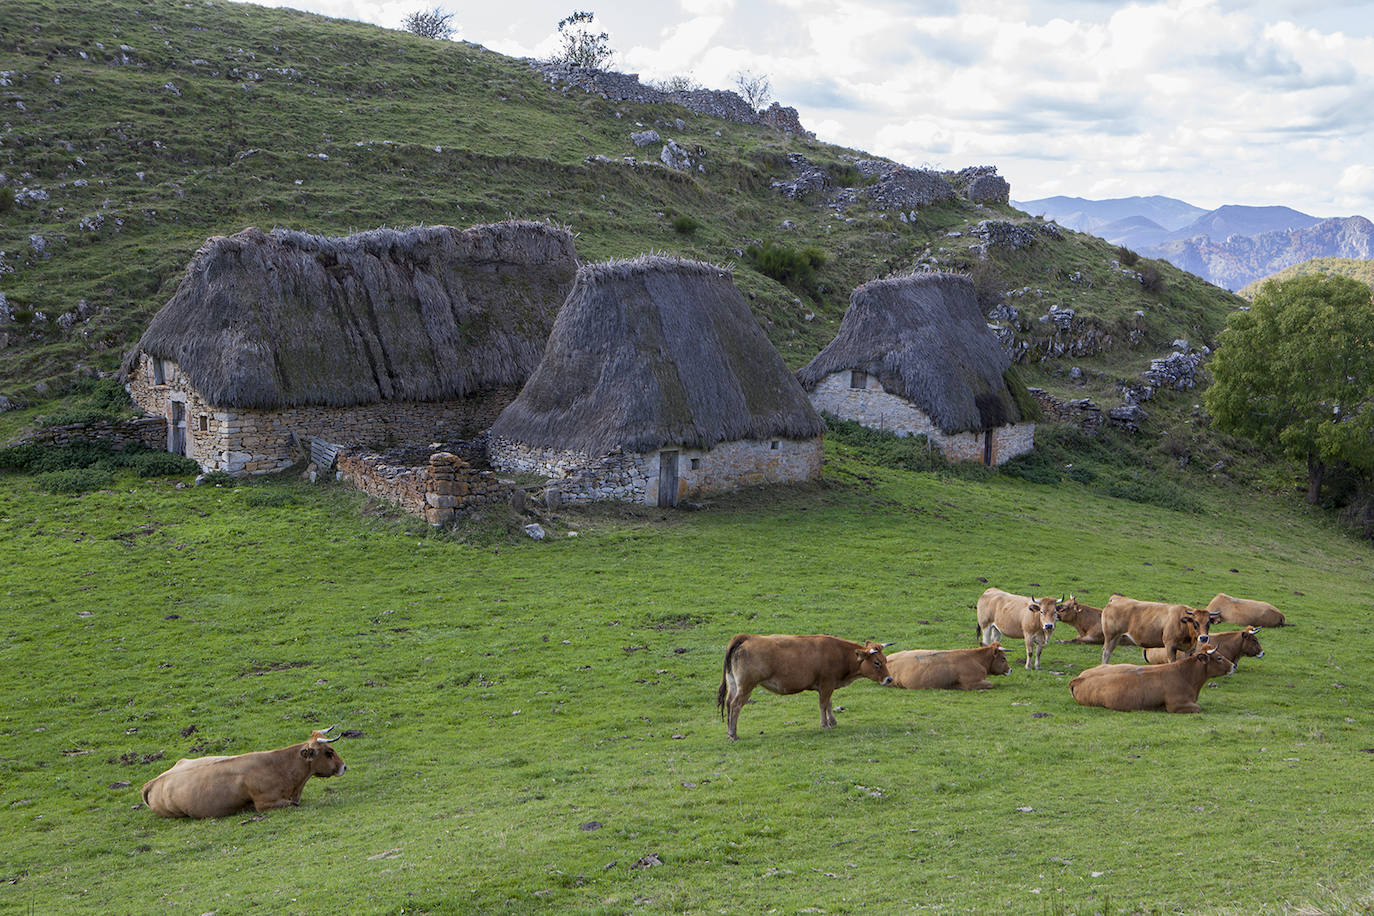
x=633, y=477
x=876, y=407
x=120, y=434
x=438, y=491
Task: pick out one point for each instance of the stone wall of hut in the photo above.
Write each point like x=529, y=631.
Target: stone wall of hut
x=150, y=432
x=634, y=476
x=874, y=406
x=437, y=491
x=250, y=441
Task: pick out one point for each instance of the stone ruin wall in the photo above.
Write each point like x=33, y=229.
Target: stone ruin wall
x=874, y=406
x=150, y=432
x=441, y=490
x=633, y=476
x=243, y=441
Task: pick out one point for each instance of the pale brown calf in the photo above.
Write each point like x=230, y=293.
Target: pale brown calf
x=1246, y=612
x=1002, y=614
x=1175, y=627
x=1173, y=687
x=790, y=664
x=949, y=669
x=221, y=786
x=1235, y=645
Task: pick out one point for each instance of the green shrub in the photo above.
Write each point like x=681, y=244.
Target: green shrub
x=74, y=480
x=218, y=479
x=908, y=453
x=92, y=401
x=18, y=457
x=685, y=225
x=161, y=464
x=6, y=200
x=1126, y=256
x=1152, y=279
x=789, y=266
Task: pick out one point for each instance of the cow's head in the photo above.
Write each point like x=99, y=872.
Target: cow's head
x=999, y=660
x=324, y=761
x=1196, y=624
x=1250, y=645
x=1215, y=664
x=1069, y=608
x=1046, y=611
x=873, y=663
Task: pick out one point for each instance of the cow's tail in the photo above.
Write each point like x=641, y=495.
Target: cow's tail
x=729, y=654
x=147, y=787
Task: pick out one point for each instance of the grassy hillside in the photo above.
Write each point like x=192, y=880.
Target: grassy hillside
x=151, y=125
x=1354, y=268
x=525, y=741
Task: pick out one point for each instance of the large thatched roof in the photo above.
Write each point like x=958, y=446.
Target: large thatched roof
x=926, y=340
x=284, y=318
x=652, y=352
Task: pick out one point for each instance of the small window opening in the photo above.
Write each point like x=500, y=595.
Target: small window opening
x=203, y=421
x=696, y=464
x=773, y=445
x=159, y=373
x=858, y=379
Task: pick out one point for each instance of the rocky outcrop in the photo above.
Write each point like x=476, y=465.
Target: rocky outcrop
x=1242, y=259
x=1013, y=236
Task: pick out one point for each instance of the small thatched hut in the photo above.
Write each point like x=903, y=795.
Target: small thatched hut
x=382, y=338
x=657, y=385
x=915, y=356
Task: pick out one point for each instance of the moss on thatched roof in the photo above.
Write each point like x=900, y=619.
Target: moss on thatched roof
x=656, y=352
x=924, y=337
x=285, y=319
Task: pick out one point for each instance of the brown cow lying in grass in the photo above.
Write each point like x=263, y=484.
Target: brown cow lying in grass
x=1002, y=613
x=949, y=669
x=221, y=786
x=1173, y=687
x=1235, y=645
x=790, y=664
x=1085, y=619
x=1175, y=627
x=1246, y=612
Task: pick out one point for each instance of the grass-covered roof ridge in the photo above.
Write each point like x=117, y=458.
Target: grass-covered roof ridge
x=924, y=337
x=285, y=318
x=656, y=351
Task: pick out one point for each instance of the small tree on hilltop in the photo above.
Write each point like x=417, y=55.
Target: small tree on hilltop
x=1297, y=370
x=582, y=47
x=755, y=88
x=432, y=23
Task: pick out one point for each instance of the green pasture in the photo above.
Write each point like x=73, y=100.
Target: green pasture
x=538, y=719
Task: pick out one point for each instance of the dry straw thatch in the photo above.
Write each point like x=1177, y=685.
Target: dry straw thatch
x=282, y=319
x=656, y=352
x=924, y=337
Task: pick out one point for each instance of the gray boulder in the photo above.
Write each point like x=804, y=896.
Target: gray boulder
x=646, y=137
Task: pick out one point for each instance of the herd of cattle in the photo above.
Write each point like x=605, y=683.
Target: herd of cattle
x=1181, y=653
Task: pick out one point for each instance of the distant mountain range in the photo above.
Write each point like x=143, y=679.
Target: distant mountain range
x=1230, y=246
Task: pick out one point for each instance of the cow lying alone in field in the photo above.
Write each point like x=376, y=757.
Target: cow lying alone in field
x=1173, y=687
x=790, y=664
x=1175, y=627
x=948, y=669
x=1246, y=612
x=221, y=786
x=1017, y=617
x=1235, y=645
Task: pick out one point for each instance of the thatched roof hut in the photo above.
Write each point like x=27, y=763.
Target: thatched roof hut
x=282, y=319
x=925, y=339
x=656, y=352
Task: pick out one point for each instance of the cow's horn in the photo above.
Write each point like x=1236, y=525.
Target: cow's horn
x=1256, y=629
x=886, y=644
x=323, y=740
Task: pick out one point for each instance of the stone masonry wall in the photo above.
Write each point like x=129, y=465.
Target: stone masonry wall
x=150, y=432
x=633, y=477
x=876, y=407
x=438, y=492
x=250, y=441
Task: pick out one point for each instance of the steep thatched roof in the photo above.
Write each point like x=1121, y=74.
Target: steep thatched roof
x=926, y=340
x=283, y=318
x=652, y=352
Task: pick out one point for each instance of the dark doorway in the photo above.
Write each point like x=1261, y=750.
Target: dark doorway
x=667, y=478
x=176, y=430
x=987, y=448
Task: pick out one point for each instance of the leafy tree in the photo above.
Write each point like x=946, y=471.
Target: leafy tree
x=432, y=23
x=755, y=88
x=1297, y=370
x=582, y=47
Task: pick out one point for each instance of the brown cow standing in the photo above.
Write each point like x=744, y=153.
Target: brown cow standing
x=1176, y=627
x=221, y=786
x=1246, y=612
x=1235, y=645
x=790, y=664
x=949, y=669
x=1174, y=687
x=1019, y=617
x=1085, y=619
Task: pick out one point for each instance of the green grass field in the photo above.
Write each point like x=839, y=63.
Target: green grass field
x=538, y=718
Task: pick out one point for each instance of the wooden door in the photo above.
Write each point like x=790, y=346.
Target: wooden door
x=176, y=431
x=667, y=478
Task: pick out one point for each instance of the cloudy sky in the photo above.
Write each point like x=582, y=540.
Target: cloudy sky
x=1210, y=101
